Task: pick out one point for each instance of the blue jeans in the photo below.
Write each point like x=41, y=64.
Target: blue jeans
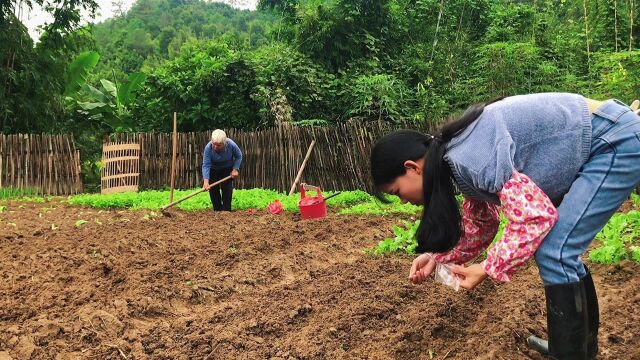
x=603, y=184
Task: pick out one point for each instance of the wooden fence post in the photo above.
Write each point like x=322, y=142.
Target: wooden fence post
x=173, y=155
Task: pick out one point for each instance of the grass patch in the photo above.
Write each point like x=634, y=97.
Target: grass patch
x=28, y=195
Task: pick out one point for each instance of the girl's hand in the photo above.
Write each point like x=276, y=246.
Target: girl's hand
x=421, y=268
x=471, y=276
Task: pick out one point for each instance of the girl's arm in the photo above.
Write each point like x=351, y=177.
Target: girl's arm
x=480, y=221
x=531, y=216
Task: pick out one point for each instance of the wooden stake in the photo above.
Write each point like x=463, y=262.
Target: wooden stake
x=173, y=158
x=304, y=163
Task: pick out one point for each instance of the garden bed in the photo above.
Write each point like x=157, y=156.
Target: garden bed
x=79, y=282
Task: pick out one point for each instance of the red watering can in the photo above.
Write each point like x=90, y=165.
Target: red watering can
x=313, y=207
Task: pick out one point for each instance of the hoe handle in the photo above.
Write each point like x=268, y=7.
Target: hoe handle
x=194, y=193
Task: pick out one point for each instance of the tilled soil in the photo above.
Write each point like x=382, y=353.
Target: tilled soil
x=243, y=285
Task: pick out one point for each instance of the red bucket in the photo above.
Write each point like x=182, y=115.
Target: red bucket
x=312, y=207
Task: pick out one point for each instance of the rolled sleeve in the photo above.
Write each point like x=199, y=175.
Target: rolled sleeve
x=206, y=162
x=530, y=215
x=480, y=221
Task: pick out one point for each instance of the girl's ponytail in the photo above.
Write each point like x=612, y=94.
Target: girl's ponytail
x=441, y=223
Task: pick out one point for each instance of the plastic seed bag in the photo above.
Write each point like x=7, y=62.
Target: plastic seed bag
x=444, y=275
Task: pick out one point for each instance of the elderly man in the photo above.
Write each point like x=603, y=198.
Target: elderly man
x=222, y=157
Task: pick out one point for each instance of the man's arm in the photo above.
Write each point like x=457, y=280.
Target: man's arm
x=206, y=165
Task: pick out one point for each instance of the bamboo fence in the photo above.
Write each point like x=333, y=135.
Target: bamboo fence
x=40, y=163
x=272, y=157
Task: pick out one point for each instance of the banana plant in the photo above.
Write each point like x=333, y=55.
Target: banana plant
x=110, y=104
x=79, y=68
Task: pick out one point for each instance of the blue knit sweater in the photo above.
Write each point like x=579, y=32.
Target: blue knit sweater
x=544, y=136
x=229, y=157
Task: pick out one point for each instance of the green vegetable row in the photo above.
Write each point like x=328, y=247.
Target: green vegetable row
x=618, y=240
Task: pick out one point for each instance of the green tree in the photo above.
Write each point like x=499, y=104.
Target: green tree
x=153, y=31
x=380, y=97
x=617, y=75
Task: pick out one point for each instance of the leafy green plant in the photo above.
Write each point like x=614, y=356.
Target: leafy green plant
x=635, y=253
x=80, y=223
x=110, y=105
x=610, y=253
x=369, y=205
x=377, y=208
x=379, y=96
x=353, y=202
x=403, y=241
x=615, y=73
x=617, y=239
x=76, y=75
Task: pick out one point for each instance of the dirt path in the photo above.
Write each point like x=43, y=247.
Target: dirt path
x=258, y=286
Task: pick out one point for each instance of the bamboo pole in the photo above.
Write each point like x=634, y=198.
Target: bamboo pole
x=631, y=7
x=615, y=23
x=79, y=187
x=586, y=33
x=304, y=163
x=173, y=158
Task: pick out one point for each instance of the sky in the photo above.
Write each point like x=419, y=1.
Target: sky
x=36, y=17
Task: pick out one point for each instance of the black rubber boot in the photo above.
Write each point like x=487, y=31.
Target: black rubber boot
x=593, y=314
x=593, y=321
x=538, y=344
x=567, y=322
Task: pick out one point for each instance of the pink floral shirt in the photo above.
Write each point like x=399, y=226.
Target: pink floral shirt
x=530, y=215
x=480, y=221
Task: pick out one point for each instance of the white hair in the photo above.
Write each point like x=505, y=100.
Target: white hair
x=218, y=137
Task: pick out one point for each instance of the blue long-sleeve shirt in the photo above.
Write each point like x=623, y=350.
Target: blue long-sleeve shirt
x=229, y=157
